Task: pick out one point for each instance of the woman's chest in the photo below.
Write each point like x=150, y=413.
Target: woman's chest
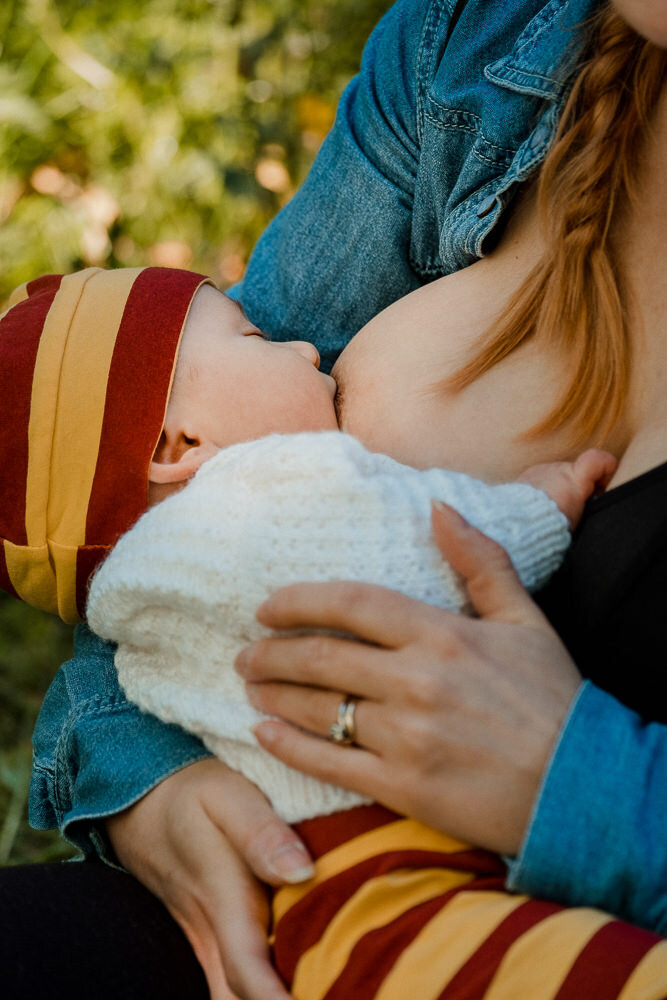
x=518, y=392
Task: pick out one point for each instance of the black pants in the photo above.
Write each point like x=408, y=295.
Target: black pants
x=84, y=930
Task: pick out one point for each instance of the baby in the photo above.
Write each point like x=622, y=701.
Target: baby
x=116, y=386
x=115, y=389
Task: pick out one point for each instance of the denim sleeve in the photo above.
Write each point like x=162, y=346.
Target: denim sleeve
x=94, y=752
x=598, y=834
x=338, y=253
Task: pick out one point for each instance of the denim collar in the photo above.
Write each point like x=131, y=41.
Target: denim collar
x=546, y=51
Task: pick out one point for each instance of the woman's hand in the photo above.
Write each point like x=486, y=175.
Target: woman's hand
x=195, y=841
x=457, y=716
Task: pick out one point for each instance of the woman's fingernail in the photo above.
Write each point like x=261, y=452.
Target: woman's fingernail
x=292, y=864
x=262, y=609
x=240, y=661
x=449, y=512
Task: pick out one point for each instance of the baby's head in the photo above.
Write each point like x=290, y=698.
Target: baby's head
x=87, y=421
x=231, y=384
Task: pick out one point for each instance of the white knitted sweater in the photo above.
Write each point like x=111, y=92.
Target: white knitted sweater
x=179, y=591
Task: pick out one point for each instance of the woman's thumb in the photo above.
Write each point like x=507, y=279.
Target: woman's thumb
x=493, y=586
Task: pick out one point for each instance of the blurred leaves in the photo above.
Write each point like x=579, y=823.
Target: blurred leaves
x=130, y=130
x=162, y=132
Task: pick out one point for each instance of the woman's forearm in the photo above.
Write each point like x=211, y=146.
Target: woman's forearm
x=597, y=834
x=339, y=250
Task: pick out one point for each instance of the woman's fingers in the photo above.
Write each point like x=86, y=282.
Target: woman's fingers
x=203, y=942
x=318, y=661
x=350, y=767
x=493, y=586
x=227, y=925
x=373, y=614
x=268, y=846
x=242, y=936
x=316, y=711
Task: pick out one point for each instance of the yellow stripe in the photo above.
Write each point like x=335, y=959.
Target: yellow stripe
x=649, y=979
x=446, y=944
x=537, y=963
x=33, y=577
x=44, y=403
x=375, y=904
x=67, y=405
x=403, y=835
x=81, y=401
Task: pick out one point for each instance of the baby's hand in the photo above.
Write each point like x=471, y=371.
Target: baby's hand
x=570, y=484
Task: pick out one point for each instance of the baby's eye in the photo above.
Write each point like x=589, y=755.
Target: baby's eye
x=256, y=333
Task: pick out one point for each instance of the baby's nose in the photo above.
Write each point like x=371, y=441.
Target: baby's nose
x=306, y=350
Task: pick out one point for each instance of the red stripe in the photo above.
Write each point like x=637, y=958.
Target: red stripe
x=305, y=922
x=136, y=398
x=5, y=582
x=375, y=954
x=49, y=283
x=20, y=333
x=604, y=965
x=88, y=558
x=324, y=833
x=474, y=978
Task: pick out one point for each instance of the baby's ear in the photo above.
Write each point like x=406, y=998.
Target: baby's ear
x=174, y=462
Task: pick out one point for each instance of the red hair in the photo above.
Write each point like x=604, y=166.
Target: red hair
x=576, y=292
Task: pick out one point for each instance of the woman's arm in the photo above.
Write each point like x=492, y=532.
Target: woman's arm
x=458, y=721
x=339, y=252
x=606, y=762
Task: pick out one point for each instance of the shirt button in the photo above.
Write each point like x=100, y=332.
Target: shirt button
x=487, y=206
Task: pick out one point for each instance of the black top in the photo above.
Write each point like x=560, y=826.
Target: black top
x=608, y=601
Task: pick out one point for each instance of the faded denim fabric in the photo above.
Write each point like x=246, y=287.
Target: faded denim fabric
x=428, y=149
x=597, y=834
x=95, y=753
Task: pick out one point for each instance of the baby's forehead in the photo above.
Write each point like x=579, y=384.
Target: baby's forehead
x=212, y=301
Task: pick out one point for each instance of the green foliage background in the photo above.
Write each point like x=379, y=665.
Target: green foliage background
x=165, y=132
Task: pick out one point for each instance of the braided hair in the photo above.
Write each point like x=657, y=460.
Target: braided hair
x=576, y=294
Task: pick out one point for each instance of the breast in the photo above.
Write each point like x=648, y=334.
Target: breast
x=394, y=372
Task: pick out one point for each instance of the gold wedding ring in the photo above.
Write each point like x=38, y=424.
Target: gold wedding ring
x=343, y=731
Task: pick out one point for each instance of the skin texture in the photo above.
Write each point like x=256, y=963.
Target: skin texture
x=648, y=18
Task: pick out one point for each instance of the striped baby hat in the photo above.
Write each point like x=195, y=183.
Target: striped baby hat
x=86, y=363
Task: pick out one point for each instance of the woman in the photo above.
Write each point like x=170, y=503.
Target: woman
x=433, y=142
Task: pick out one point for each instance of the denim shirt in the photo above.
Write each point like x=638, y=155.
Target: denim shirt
x=431, y=142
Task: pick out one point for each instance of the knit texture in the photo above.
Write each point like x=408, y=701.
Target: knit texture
x=180, y=590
